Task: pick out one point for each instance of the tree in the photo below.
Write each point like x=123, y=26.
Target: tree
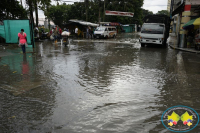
x=92, y=10
x=11, y=9
x=30, y=4
x=36, y=11
x=146, y=12
x=58, y=14
x=127, y=6
x=43, y=5
x=163, y=12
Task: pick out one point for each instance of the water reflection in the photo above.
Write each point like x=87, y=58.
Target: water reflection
x=96, y=87
x=26, y=102
x=25, y=69
x=99, y=61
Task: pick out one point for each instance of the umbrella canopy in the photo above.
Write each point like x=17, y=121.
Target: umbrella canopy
x=192, y=24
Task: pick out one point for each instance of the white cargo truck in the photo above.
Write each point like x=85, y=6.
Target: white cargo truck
x=155, y=30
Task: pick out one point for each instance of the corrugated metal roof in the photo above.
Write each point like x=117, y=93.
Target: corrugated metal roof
x=83, y=22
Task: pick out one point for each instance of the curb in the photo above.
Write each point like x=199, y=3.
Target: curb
x=186, y=50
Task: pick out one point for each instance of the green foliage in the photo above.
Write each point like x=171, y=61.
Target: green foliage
x=44, y=4
x=163, y=12
x=146, y=12
x=11, y=9
x=60, y=14
x=126, y=6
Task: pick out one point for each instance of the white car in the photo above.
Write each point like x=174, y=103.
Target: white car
x=105, y=32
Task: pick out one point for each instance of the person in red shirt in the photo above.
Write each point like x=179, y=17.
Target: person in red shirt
x=60, y=32
x=51, y=32
x=22, y=39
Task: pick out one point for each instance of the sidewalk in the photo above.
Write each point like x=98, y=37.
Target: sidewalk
x=172, y=41
x=13, y=49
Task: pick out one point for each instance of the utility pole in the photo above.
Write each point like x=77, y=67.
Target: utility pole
x=31, y=22
x=99, y=11
x=47, y=8
x=104, y=11
x=86, y=7
x=36, y=12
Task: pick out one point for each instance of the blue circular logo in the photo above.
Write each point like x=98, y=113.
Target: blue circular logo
x=180, y=118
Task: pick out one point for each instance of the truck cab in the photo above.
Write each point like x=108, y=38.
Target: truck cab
x=152, y=33
x=155, y=30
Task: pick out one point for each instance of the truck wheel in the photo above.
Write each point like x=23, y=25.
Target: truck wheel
x=114, y=36
x=106, y=37
x=142, y=44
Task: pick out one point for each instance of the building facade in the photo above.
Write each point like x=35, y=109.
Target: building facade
x=168, y=5
x=182, y=11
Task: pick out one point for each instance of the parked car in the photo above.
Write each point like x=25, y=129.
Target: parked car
x=105, y=32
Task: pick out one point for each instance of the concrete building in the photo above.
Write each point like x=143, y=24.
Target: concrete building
x=182, y=11
x=168, y=5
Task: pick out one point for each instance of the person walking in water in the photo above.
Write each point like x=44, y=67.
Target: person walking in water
x=22, y=39
x=55, y=34
x=76, y=32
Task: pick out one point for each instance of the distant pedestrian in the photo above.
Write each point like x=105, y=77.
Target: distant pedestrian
x=22, y=39
x=51, y=32
x=87, y=32
x=76, y=32
x=60, y=32
x=55, y=34
x=37, y=32
x=190, y=37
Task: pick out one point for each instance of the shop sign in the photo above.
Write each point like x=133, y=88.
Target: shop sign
x=116, y=13
x=192, y=2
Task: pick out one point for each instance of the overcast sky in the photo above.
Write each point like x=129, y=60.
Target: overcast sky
x=155, y=5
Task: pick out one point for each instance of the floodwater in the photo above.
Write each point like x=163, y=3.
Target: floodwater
x=95, y=87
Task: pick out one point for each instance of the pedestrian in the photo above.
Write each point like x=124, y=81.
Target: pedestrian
x=190, y=38
x=60, y=32
x=37, y=32
x=22, y=39
x=90, y=32
x=94, y=31
x=76, y=32
x=43, y=34
x=197, y=40
x=87, y=32
x=55, y=34
x=51, y=32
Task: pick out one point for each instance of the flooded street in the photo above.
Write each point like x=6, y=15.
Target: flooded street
x=95, y=87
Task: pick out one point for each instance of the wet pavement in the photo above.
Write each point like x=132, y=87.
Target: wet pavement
x=95, y=87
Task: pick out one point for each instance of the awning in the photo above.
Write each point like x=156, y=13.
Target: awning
x=83, y=22
x=192, y=24
x=178, y=10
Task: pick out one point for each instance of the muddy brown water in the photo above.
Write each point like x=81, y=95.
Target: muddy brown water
x=92, y=87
